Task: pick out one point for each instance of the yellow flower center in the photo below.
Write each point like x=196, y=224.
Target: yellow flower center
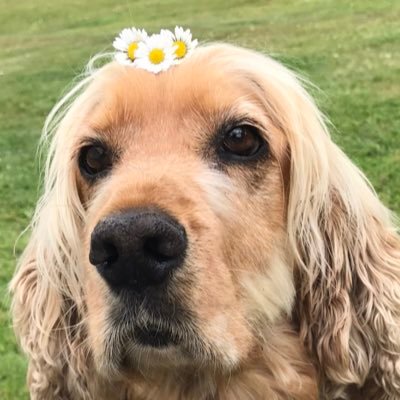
x=131, y=50
x=156, y=56
x=181, y=48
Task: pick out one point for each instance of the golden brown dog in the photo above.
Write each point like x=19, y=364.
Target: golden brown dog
x=201, y=237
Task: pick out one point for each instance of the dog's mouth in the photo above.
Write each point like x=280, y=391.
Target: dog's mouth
x=153, y=336
x=151, y=323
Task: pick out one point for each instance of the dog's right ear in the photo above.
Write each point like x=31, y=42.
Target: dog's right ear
x=47, y=304
x=37, y=309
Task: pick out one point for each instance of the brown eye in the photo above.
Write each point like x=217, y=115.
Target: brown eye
x=242, y=142
x=94, y=160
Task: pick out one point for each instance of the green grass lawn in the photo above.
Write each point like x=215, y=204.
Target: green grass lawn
x=349, y=49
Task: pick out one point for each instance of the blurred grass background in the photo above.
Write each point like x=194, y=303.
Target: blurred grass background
x=349, y=49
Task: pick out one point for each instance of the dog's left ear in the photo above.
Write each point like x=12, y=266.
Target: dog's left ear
x=346, y=255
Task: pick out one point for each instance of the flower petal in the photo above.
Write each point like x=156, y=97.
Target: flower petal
x=123, y=59
x=120, y=44
x=167, y=34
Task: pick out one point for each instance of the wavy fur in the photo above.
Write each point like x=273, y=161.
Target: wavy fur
x=342, y=244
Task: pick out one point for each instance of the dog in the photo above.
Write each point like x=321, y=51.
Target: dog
x=200, y=236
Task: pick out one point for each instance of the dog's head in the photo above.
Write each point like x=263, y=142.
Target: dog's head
x=182, y=176
x=184, y=211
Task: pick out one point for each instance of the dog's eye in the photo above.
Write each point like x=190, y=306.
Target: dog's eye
x=94, y=160
x=242, y=142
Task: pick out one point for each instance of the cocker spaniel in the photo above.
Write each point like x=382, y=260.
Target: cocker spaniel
x=201, y=237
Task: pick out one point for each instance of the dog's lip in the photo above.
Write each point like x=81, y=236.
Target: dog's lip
x=156, y=337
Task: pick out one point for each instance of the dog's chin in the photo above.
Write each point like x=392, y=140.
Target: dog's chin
x=152, y=358
x=149, y=333
x=149, y=349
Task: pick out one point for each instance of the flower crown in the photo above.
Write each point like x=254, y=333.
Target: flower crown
x=155, y=53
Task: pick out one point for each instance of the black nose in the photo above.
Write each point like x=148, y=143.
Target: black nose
x=137, y=248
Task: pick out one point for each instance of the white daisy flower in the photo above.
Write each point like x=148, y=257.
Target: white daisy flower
x=182, y=40
x=155, y=54
x=127, y=44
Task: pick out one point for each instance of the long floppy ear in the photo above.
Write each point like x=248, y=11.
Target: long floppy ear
x=343, y=243
x=346, y=254
x=48, y=307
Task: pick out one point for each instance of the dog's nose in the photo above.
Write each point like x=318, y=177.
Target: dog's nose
x=137, y=248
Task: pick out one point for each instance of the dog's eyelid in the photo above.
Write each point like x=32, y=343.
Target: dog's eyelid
x=92, y=141
x=260, y=126
x=96, y=141
x=83, y=142
x=232, y=122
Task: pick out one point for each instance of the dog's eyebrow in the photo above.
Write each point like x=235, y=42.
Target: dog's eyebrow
x=255, y=82
x=108, y=117
x=261, y=95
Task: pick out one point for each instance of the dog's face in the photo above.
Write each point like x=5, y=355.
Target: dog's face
x=176, y=210
x=182, y=175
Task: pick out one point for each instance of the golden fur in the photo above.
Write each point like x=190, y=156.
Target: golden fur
x=293, y=269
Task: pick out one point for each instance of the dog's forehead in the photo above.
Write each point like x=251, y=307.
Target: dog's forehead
x=185, y=93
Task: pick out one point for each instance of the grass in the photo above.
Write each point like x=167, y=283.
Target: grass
x=350, y=49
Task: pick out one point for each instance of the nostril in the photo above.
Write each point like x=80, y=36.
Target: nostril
x=104, y=253
x=159, y=249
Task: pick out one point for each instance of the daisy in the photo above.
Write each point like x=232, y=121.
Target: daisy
x=182, y=40
x=127, y=44
x=155, y=54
